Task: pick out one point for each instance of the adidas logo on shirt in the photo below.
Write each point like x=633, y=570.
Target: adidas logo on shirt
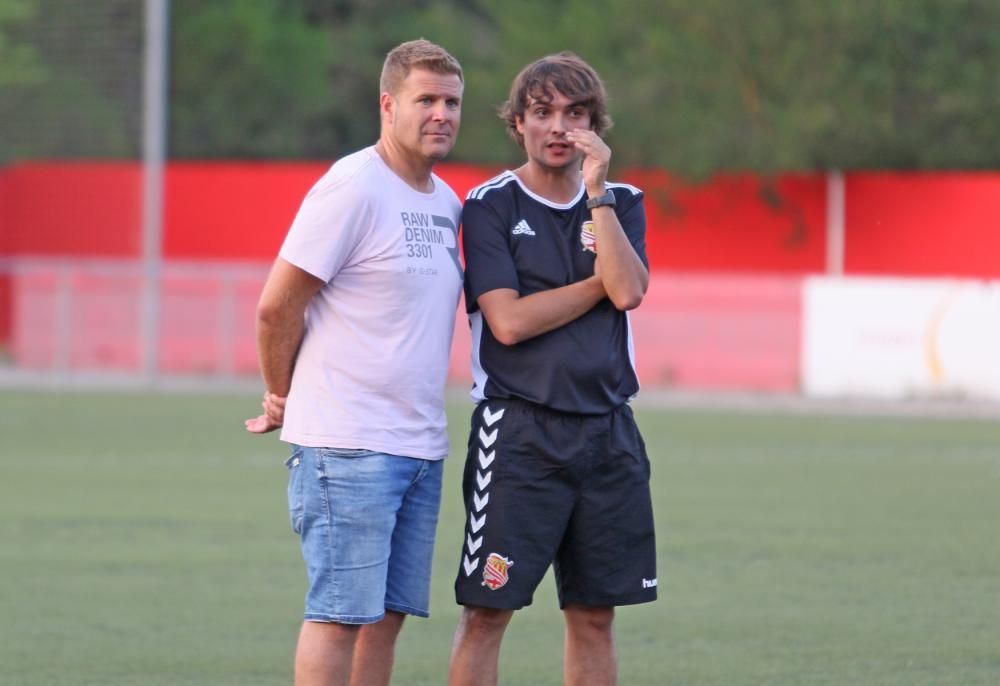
x=522, y=227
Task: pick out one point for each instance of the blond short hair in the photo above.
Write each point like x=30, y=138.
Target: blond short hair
x=411, y=54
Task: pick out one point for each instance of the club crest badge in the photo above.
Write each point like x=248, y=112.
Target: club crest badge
x=587, y=237
x=496, y=571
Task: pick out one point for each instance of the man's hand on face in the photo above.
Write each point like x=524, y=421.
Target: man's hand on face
x=596, y=158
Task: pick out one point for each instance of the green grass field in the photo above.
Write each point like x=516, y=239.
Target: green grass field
x=144, y=540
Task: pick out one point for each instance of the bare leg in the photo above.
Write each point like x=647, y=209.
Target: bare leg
x=324, y=653
x=476, y=650
x=374, y=651
x=590, y=658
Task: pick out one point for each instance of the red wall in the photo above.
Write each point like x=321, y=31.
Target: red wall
x=922, y=224
x=940, y=224
x=6, y=229
x=5, y=237
x=719, y=331
x=219, y=211
x=224, y=211
x=723, y=309
x=89, y=209
x=737, y=223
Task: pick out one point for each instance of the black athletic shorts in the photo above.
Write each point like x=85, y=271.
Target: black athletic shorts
x=545, y=487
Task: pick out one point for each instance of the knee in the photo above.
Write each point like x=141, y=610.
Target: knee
x=590, y=620
x=485, y=620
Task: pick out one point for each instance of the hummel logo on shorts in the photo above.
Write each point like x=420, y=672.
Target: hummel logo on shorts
x=522, y=227
x=649, y=583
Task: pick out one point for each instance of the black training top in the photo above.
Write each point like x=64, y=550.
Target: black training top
x=513, y=238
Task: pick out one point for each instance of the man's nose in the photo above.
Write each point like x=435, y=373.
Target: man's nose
x=440, y=111
x=557, y=123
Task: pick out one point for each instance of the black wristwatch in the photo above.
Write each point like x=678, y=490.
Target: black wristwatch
x=601, y=200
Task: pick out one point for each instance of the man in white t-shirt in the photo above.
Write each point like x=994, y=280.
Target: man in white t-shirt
x=354, y=328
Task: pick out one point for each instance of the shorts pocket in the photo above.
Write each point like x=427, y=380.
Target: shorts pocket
x=643, y=456
x=296, y=501
x=345, y=452
x=633, y=443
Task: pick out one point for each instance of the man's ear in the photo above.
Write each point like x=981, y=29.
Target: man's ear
x=386, y=107
x=519, y=124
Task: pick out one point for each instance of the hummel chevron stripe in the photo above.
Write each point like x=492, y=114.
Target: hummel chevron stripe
x=486, y=460
x=476, y=524
x=487, y=439
x=483, y=480
x=491, y=418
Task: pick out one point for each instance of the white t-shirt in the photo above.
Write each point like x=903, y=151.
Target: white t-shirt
x=373, y=363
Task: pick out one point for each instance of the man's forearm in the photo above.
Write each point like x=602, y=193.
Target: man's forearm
x=623, y=274
x=281, y=314
x=514, y=319
x=278, y=340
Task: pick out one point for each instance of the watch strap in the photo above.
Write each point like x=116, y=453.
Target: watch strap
x=601, y=200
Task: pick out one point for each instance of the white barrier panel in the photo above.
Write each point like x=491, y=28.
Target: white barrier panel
x=898, y=338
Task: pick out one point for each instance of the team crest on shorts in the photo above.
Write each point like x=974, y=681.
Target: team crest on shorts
x=587, y=237
x=496, y=571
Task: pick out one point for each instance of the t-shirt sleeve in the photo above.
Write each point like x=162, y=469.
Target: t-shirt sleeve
x=632, y=217
x=488, y=262
x=327, y=229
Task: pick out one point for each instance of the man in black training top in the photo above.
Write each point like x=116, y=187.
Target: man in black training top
x=556, y=471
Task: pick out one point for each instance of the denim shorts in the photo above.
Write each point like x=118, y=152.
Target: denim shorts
x=366, y=521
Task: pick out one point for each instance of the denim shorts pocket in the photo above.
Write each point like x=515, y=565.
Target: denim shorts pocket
x=296, y=502
x=345, y=452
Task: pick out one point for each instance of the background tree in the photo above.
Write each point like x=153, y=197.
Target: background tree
x=697, y=86
x=249, y=79
x=74, y=88
x=19, y=64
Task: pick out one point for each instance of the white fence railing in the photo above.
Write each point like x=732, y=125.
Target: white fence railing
x=77, y=318
x=81, y=320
